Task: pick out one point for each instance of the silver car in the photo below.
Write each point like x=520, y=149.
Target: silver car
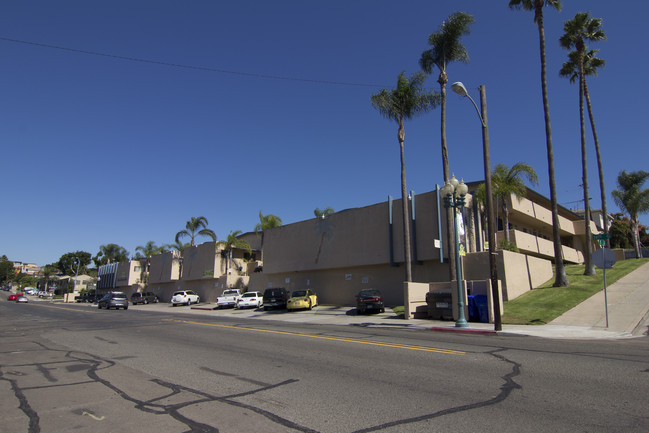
x=115, y=300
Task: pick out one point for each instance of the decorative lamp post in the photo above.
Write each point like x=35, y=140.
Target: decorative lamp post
x=459, y=88
x=454, y=194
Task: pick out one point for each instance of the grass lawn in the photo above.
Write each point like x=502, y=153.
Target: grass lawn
x=546, y=303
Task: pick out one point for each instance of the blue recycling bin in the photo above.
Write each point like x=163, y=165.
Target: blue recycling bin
x=482, y=305
x=473, y=309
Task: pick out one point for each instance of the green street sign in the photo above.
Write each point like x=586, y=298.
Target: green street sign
x=602, y=236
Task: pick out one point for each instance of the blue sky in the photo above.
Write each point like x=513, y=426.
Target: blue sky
x=101, y=149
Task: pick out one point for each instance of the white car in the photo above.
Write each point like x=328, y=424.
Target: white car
x=186, y=297
x=30, y=291
x=250, y=299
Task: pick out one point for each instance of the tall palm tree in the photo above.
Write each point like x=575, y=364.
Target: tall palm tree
x=508, y=181
x=196, y=226
x=178, y=246
x=266, y=222
x=570, y=70
x=576, y=32
x=561, y=279
x=232, y=242
x=145, y=253
x=446, y=48
x=407, y=100
x=323, y=213
x=633, y=200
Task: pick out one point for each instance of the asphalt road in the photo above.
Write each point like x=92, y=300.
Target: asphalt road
x=76, y=368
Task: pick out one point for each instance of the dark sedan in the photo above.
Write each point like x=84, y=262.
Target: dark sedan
x=369, y=300
x=115, y=300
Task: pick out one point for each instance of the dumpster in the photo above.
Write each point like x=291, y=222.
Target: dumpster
x=482, y=305
x=440, y=304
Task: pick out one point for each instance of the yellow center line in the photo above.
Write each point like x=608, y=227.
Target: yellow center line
x=325, y=337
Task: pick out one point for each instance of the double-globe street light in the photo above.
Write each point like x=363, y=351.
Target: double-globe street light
x=459, y=88
x=454, y=194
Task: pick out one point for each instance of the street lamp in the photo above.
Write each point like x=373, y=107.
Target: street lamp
x=459, y=88
x=454, y=193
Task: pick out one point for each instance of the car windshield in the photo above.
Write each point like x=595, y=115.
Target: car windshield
x=274, y=292
x=178, y=293
x=369, y=294
x=231, y=292
x=299, y=293
x=249, y=295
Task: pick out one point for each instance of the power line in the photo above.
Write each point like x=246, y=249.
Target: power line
x=198, y=68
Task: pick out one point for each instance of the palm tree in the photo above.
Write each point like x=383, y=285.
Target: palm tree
x=144, y=253
x=576, y=31
x=561, y=279
x=110, y=253
x=266, y=222
x=196, y=226
x=508, y=181
x=404, y=102
x=570, y=70
x=445, y=48
x=178, y=246
x=323, y=213
x=635, y=201
x=232, y=242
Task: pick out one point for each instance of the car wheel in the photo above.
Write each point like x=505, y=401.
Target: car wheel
x=98, y=307
x=126, y=308
x=173, y=305
x=358, y=311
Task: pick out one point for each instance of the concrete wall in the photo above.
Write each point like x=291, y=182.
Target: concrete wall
x=164, y=268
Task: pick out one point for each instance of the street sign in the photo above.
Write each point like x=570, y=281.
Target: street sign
x=604, y=258
x=602, y=236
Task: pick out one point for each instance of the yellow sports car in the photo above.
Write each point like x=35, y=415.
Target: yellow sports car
x=301, y=299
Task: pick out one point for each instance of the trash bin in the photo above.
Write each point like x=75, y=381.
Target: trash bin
x=473, y=309
x=482, y=305
x=440, y=304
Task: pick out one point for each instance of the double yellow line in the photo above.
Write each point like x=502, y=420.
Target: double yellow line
x=325, y=337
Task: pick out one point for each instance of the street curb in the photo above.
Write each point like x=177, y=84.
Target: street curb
x=204, y=308
x=465, y=331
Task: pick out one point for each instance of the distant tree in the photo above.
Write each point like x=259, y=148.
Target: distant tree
x=196, y=226
x=561, y=279
x=266, y=222
x=3, y=258
x=149, y=249
x=576, y=31
x=232, y=242
x=445, y=48
x=110, y=253
x=74, y=263
x=7, y=272
x=633, y=200
x=407, y=100
x=323, y=213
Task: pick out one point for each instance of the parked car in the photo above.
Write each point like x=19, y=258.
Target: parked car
x=86, y=297
x=186, y=297
x=30, y=291
x=250, y=299
x=115, y=300
x=21, y=299
x=369, y=300
x=302, y=299
x=45, y=294
x=14, y=296
x=228, y=298
x=275, y=297
x=144, y=298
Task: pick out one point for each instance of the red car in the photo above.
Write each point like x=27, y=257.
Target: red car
x=13, y=297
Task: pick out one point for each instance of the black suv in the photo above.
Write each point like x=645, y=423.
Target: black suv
x=276, y=297
x=144, y=298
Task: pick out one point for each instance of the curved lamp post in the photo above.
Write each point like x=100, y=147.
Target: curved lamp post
x=454, y=193
x=459, y=88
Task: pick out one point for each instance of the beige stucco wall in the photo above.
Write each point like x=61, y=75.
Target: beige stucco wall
x=164, y=268
x=350, y=238
x=127, y=276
